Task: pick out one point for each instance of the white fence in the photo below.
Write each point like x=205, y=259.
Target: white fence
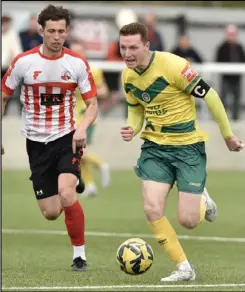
x=109, y=145
x=205, y=68
x=208, y=71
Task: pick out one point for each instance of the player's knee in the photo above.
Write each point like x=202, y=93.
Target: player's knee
x=188, y=221
x=153, y=212
x=51, y=214
x=67, y=195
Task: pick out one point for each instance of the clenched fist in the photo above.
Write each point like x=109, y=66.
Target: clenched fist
x=79, y=140
x=127, y=133
x=234, y=144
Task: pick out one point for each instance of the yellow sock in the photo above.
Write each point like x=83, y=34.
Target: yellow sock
x=95, y=160
x=167, y=238
x=202, y=209
x=86, y=173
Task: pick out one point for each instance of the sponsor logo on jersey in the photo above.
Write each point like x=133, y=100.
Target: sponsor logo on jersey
x=146, y=97
x=189, y=73
x=36, y=74
x=49, y=99
x=66, y=75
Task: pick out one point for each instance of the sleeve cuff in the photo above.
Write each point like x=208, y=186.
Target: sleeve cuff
x=89, y=94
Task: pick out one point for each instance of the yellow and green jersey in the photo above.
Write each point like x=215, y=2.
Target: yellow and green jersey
x=163, y=89
x=80, y=107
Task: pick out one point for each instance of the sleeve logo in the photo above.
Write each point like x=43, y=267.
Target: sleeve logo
x=189, y=73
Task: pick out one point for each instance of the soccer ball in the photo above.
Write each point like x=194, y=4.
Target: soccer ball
x=135, y=256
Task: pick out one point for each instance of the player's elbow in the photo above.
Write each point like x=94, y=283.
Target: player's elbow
x=103, y=92
x=92, y=106
x=5, y=96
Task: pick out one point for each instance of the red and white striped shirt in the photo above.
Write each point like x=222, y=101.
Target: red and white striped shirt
x=48, y=91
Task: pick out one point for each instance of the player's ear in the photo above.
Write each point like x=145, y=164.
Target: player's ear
x=41, y=31
x=147, y=45
x=68, y=29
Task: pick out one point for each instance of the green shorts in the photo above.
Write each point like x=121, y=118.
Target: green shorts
x=90, y=133
x=185, y=164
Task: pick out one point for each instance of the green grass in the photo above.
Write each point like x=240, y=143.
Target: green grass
x=30, y=260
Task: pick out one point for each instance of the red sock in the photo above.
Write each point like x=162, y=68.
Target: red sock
x=74, y=220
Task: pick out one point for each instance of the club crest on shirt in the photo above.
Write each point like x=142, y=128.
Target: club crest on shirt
x=66, y=75
x=146, y=97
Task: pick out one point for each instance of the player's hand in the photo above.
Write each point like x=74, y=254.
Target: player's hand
x=2, y=151
x=127, y=133
x=79, y=140
x=234, y=144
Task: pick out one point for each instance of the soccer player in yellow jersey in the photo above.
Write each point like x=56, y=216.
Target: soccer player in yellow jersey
x=161, y=88
x=89, y=159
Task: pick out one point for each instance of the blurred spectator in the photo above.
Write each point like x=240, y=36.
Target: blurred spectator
x=156, y=43
x=11, y=47
x=80, y=47
x=113, y=79
x=30, y=37
x=185, y=50
x=182, y=24
x=231, y=51
x=114, y=52
x=123, y=17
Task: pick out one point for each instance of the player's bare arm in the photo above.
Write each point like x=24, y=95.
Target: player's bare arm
x=5, y=98
x=79, y=137
x=103, y=91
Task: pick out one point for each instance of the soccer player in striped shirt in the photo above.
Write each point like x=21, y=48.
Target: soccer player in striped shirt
x=49, y=75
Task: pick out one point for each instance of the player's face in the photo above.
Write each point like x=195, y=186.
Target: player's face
x=54, y=34
x=133, y=50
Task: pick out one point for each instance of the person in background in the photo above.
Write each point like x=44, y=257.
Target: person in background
x=31, y=37
x=11, y=46
x=123, y=17
x=10, y=43
x=155, y=39
x=185, y=50
x=231, y=51
x=89, y=159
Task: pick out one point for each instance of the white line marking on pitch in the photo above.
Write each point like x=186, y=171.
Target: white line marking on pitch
x=114, y=234
x=123, y=286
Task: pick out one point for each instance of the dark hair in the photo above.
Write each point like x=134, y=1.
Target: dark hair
x=135, y=28
x=54, y=13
